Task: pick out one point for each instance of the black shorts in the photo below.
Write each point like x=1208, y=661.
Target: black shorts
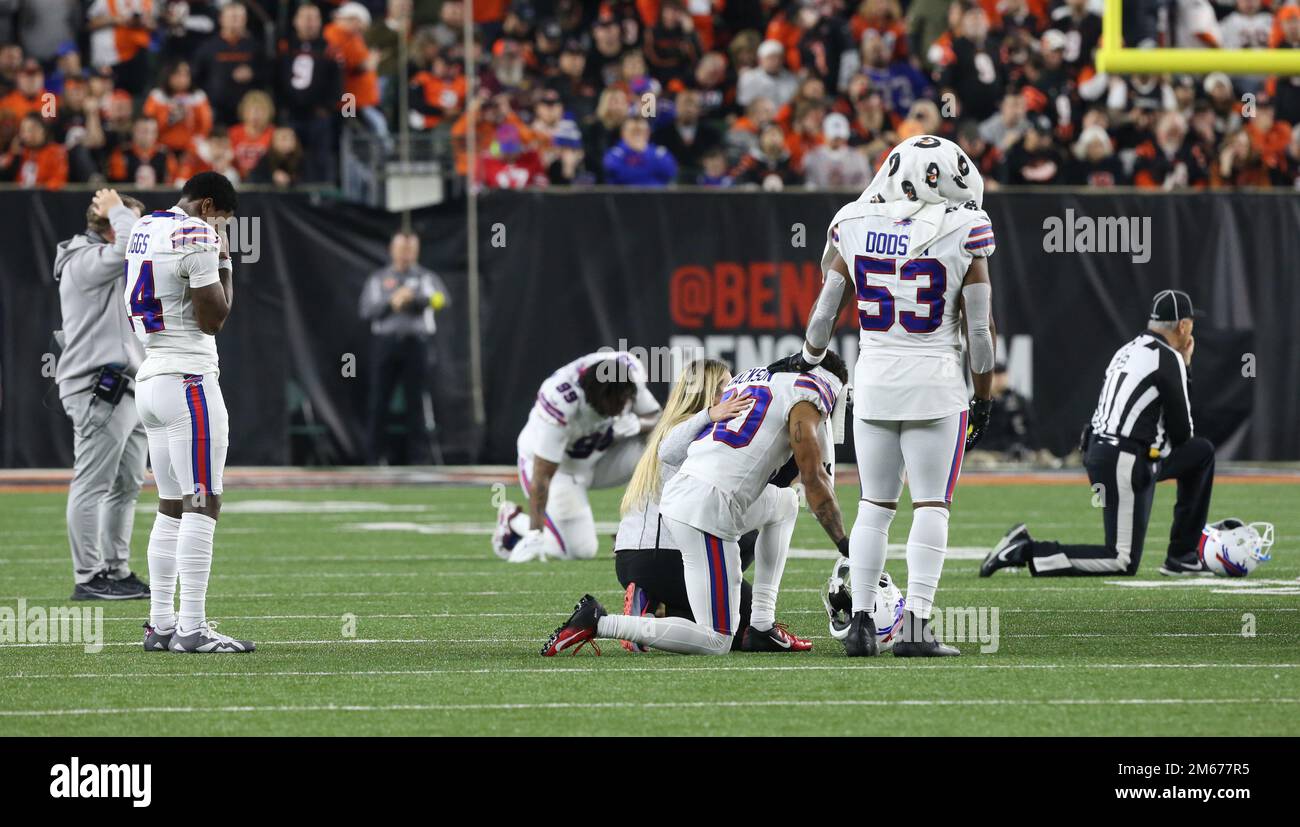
x=658, y=572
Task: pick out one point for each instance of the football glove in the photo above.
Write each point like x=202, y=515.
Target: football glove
x=980, y=411
x=530, y=547
x=627, y=425
x=794, y=363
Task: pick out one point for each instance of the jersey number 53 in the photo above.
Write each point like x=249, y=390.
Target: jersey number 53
x=931, y=295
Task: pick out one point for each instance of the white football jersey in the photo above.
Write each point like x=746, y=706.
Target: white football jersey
x=563, y=428
x=911, y=360
x=736, y=458
x=169, y=253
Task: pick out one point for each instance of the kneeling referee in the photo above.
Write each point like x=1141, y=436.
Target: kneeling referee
x=1141, y=434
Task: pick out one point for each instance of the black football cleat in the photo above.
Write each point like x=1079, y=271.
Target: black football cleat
x=1189, y=565
x=1009, y=552
x=776, y=639
x=916, y=640
x=578, y=629
x=102, y=587
x=861, y=639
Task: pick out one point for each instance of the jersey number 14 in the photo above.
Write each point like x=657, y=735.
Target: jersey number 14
x=144, y=305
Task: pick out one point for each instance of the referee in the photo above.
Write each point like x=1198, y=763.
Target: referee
x=1141, y=434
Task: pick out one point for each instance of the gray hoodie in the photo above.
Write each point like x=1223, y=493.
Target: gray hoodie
x=92, y=283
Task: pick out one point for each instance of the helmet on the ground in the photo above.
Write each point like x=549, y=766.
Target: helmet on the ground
x=1232, y=548
x=887, y=614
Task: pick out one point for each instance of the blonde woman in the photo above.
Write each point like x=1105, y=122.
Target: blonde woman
x=646, y=558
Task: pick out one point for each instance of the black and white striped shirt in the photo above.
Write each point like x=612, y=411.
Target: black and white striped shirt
x=1145, y=396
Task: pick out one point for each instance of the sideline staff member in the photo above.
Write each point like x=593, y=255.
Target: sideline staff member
x=96, y=377
x=1141, y=434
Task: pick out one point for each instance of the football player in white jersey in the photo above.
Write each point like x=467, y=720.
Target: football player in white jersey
x=722, y=491
x=584, y=431
x=178, y=295
x=912, y=251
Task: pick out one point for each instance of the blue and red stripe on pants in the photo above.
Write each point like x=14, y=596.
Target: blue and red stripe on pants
x=200, y=434
x=719, y=586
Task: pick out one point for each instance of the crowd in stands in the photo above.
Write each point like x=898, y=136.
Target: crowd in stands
x=646, y=93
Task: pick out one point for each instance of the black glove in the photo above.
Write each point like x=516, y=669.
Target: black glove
x=843, y=546
x=980, y=411
x=794, y=363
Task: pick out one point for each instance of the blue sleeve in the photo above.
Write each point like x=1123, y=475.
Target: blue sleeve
x=668, y=167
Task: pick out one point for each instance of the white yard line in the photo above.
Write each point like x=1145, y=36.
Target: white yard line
x=645, y=705
x=614, y=671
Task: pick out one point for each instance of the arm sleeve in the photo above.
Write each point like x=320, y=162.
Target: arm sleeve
x=108, y=257
x=1174, y=401
x=822, y=322
x=672, y=451
x=372, y=304
x=977, y=301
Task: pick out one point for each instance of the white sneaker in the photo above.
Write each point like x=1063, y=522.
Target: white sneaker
x=207, y=640
x=505, y=537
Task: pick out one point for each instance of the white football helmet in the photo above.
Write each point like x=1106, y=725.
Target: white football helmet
x=887, y=614
x=1232, y=548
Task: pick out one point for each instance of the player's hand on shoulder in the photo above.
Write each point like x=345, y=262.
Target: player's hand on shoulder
x=981, y=410
x=729, y=408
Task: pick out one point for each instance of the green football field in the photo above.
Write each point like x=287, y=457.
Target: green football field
x=382, y=611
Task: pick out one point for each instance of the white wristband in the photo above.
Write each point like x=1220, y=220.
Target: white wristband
x=810, y=359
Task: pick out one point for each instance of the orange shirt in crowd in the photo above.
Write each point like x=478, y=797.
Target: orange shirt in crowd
x=788, y=34
x=447, y=95
x=487, y=131
x=358, y=79
x=248, y=148
x=1270, y=145
x=181, y=118
x=490, y=11
x=20, y=106
x=119, y=43
x=45, y=167
x=128, y=164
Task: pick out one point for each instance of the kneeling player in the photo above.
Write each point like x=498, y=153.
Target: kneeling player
x=646, y=557
x=722, y=490
x=584, y=432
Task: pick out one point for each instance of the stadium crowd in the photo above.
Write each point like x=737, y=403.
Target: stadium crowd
x=769, y=93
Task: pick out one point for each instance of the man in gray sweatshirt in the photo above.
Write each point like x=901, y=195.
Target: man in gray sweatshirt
x=95, y=375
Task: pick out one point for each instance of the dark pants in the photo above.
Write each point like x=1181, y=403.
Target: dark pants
x=319, y=140
x=403, y=361
x=658, y=572
x=1127, y=484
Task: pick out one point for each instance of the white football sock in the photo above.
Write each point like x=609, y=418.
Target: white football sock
x=868, y=545
x=194, y=562
x=926, y=544
x=162, y=571
x=770, y=551
x=670, y=634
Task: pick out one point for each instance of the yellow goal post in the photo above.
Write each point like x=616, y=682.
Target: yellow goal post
x=1113, y=58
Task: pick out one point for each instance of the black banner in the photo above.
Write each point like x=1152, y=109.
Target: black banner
x=733, y=273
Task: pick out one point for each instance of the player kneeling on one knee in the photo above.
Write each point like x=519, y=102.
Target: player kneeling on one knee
x=722, y=491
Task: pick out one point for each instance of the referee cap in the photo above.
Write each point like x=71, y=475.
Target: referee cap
x=1172, y=306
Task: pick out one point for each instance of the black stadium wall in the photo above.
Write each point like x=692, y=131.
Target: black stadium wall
x=732, y=273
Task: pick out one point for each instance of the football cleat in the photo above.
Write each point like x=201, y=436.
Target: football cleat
x=1009, y=552
x=860, y=642
x=103, y=587
x=1189, y=565
x=578, y=629
x=635, y=604
x=207, y=640
x=916, y=640
x=156, y=641
x=776, y=639
x=504, y=537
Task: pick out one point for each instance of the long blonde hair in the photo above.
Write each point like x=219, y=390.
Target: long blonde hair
x=696, y=390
